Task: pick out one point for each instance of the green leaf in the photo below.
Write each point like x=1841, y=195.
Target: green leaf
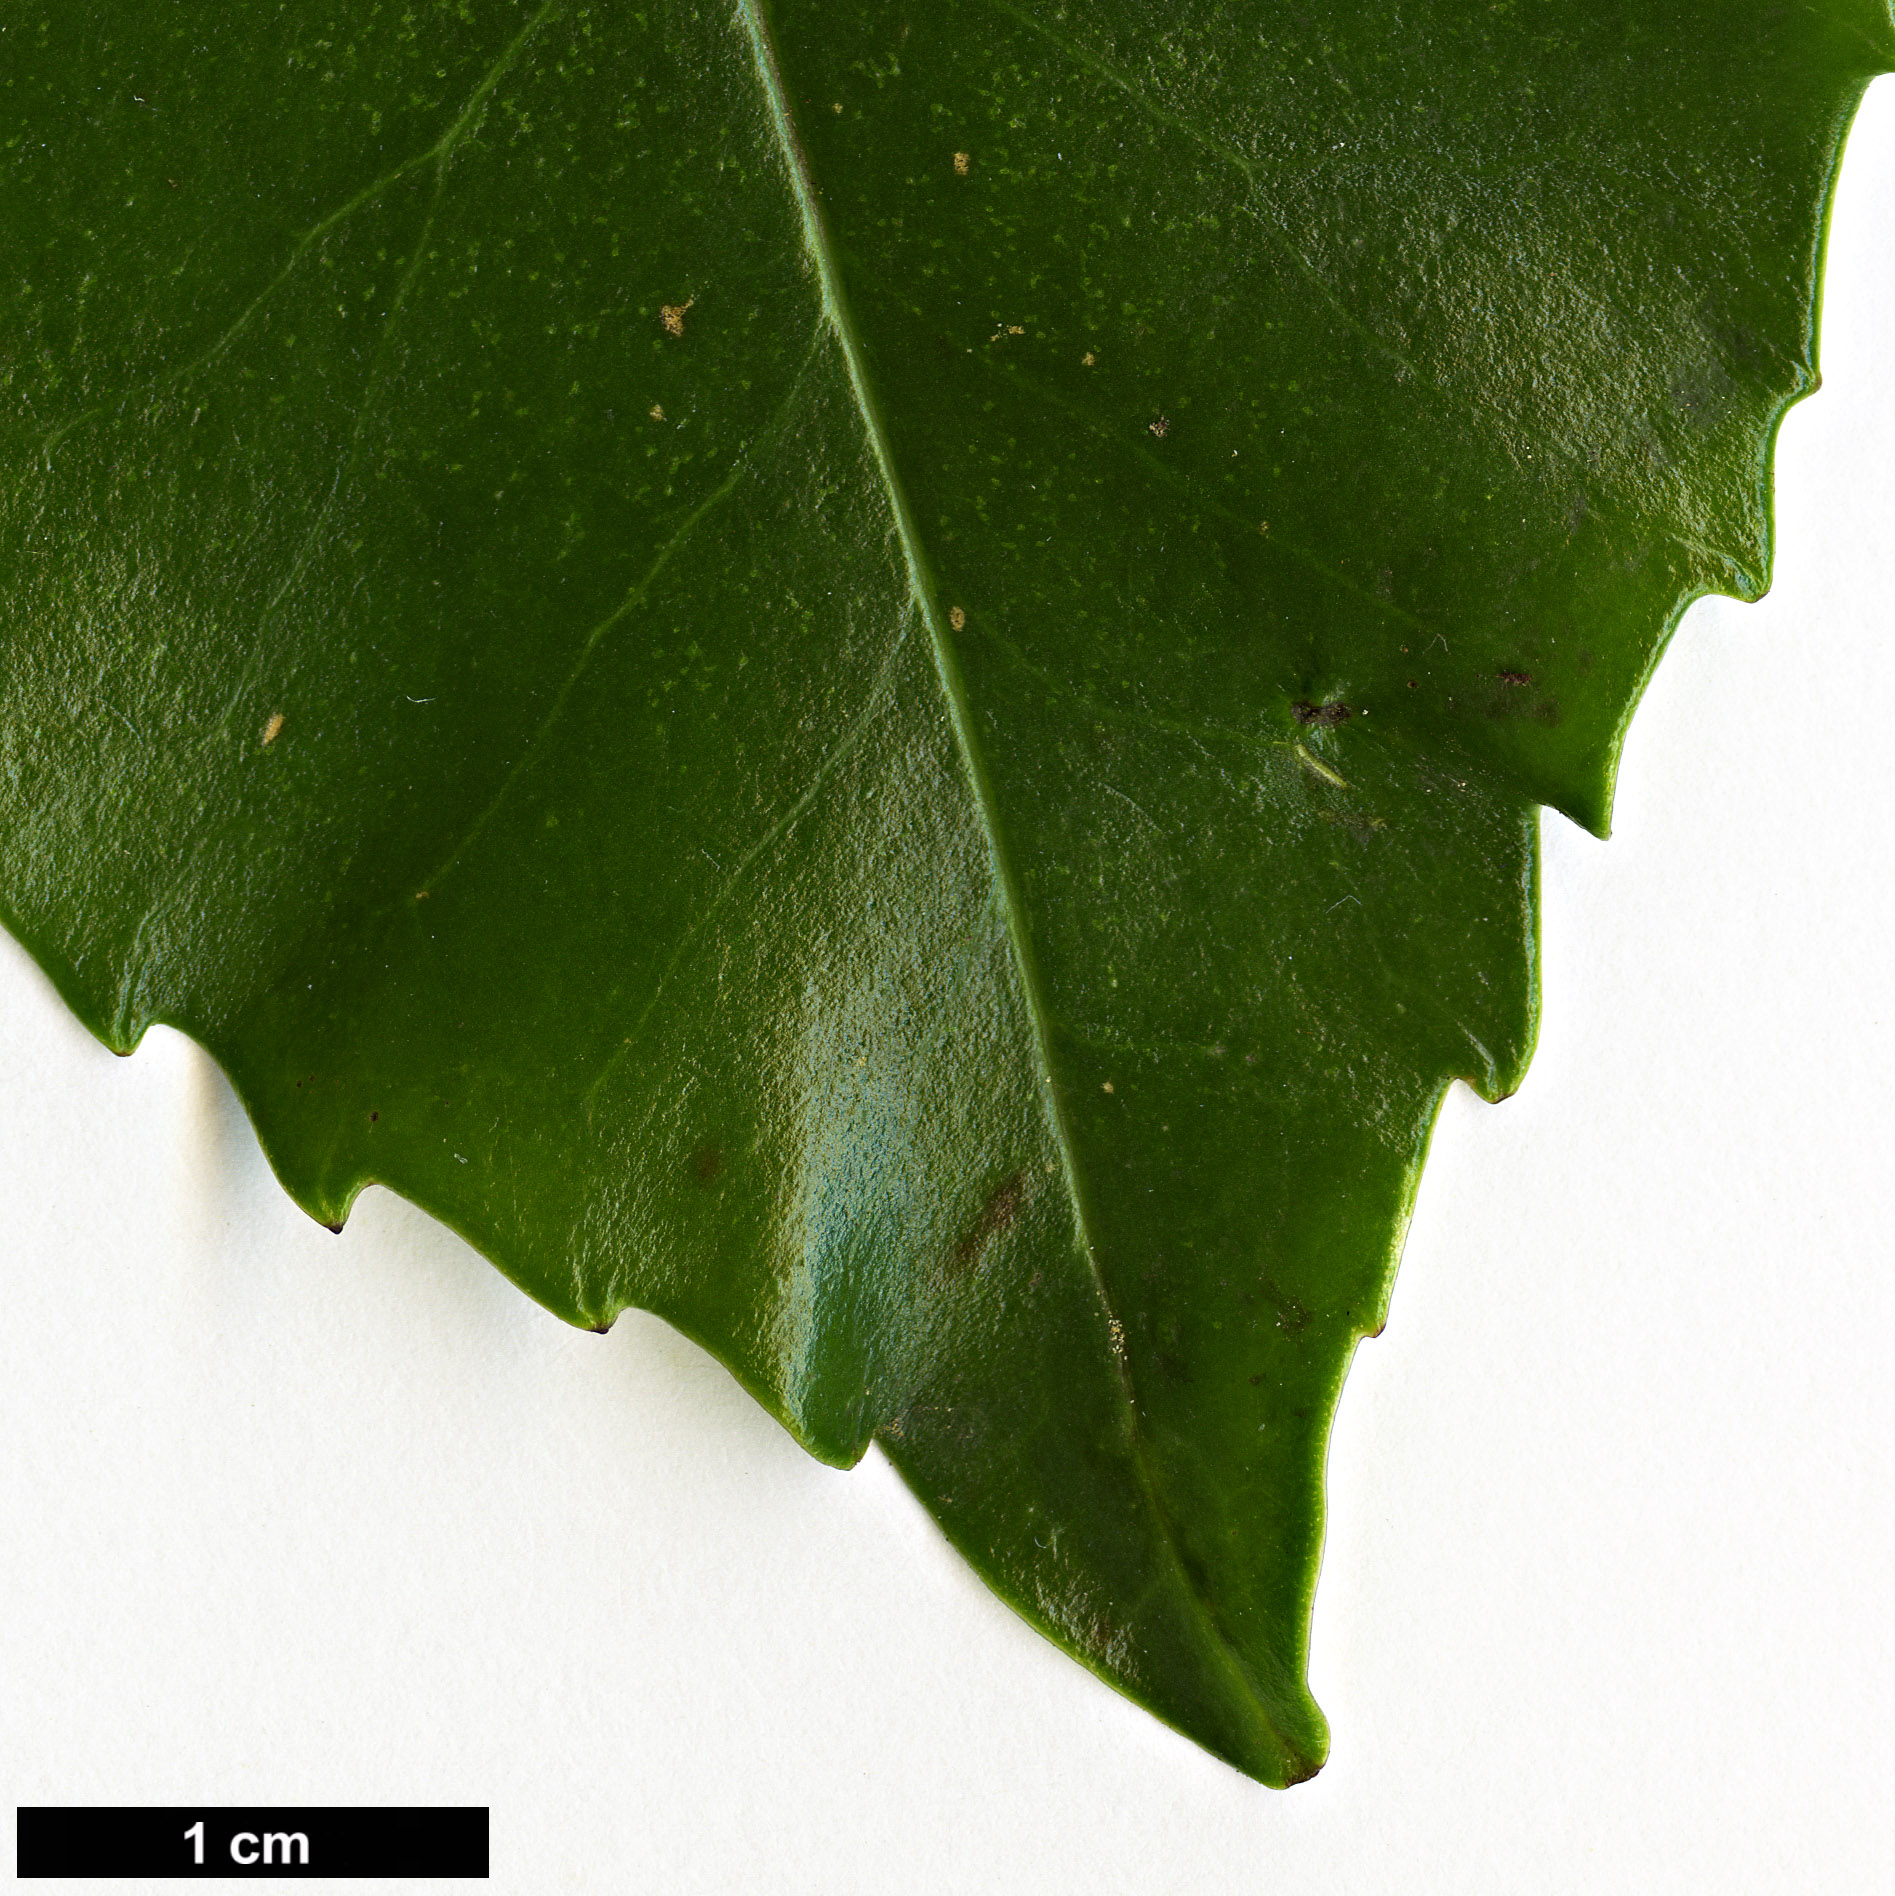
x=880, y=682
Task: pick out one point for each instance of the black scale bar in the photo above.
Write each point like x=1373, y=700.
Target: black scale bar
x=207, y=1842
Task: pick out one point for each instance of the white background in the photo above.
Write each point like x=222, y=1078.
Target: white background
x=1606, y=1602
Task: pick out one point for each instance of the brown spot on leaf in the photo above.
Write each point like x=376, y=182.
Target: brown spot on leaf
x=1514, y=678
x=962, y=162
x=707, y=1163
x=956, y=617
x=1307, y=713
x=1002, y=1207
x=1161, y=427
x=672, y=316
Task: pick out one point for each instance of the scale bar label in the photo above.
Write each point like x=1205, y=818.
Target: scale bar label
x=206, y=1841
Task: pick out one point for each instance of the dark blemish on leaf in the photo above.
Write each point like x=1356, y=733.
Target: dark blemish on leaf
x=1291, y=1315
x=956, y=617
x=1514, y=678
x=373, y=1117
x=1307, y=713
x=273, y=728
x=1357, y=820
x=1002, y=1207
x=707, y=1163
x=337, y=1229
x=1161, y=427
x=672, y=316
x=1414, y=684
x=1255, y=1380
x=600, y=1329
x=1300, y=1767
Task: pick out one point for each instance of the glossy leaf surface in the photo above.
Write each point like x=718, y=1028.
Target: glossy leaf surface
x=879, y=679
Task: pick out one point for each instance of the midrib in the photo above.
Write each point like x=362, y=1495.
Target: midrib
x=835, y=309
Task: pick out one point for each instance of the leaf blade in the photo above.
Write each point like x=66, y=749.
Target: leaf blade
x=770, y=1010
